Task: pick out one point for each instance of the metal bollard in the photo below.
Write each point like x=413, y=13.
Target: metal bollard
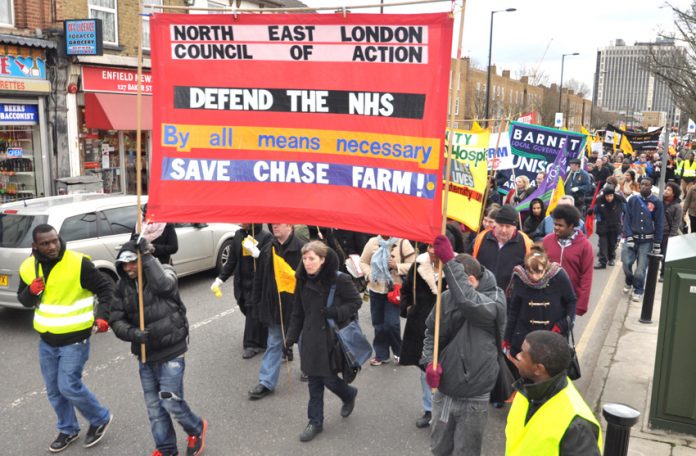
x=650, y=284
x=620, y=419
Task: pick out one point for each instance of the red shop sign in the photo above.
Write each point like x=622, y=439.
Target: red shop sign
x=114, y=80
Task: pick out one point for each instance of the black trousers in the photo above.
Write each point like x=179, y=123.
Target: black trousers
x=692, y=219
x=255, y=334
x=607, y=244
x=335, y=384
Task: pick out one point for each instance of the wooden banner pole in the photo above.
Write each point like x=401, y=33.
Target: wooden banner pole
x=138, y=176
x=448, y=169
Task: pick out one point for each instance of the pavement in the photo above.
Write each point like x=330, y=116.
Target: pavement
x=624, y=373
x=617, y=354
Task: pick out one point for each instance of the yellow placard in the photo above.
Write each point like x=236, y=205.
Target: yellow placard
x=469, y=175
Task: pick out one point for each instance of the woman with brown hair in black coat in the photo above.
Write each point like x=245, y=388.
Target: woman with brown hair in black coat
x=320, y=358
x=417, y=300
x=541, y=297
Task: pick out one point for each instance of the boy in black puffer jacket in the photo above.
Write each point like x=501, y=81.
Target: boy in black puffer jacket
x=165, y=339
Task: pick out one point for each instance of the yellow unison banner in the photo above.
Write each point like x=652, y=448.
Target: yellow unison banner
x=469, y=175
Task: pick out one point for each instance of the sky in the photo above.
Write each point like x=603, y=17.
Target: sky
x=541, y=31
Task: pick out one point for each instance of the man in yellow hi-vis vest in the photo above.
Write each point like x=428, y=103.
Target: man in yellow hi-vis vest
x=548, y=415
x=61, y=285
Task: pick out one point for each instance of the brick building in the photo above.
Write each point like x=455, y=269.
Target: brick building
x=65, y=116
x=511, y=97
x=26, y=157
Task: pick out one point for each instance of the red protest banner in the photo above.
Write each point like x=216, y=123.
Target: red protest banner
x=315, y=118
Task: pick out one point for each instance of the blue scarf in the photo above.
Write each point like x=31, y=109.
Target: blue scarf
x=379, y=263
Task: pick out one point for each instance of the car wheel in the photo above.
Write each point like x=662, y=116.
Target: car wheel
x=223, y=255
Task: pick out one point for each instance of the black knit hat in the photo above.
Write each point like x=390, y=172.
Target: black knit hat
x=507, y=215
x=609, y=189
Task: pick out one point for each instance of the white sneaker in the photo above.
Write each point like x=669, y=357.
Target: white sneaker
x=637, y=297
x=626, y=289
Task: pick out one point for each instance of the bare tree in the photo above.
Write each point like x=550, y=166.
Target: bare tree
x=600, y=118
x=548, y=108
x=535, y=75
x=678, y=68
x=579, y=87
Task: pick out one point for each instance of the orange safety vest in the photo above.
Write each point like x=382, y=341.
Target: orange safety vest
x=479, y=240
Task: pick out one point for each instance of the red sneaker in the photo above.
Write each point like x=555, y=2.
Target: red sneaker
x=196, y=443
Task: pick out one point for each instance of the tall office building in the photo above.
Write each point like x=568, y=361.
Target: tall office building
x=623, y=84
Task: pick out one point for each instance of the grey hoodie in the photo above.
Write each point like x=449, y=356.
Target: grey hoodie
x=468, y=352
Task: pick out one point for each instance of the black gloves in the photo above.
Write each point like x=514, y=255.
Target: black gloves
x=145, y=247
x=140, y=337
x=329, y=312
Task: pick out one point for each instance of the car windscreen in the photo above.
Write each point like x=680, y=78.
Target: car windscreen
x=15, y=229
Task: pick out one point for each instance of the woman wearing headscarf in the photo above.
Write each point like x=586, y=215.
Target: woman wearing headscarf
x=541, y=297
x=162, y=236
x=320, y=357
x=384, y=259
x=418, y=295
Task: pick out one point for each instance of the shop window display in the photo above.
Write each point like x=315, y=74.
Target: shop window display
x=101, y=157
x=17, y=169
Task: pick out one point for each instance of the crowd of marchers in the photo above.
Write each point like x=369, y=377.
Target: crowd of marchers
x=510, y=295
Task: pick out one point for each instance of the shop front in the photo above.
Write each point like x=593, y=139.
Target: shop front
x=107, y=113
x=25, y=167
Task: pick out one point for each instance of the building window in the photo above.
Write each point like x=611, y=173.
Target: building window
x=147, y=10
x=217, y=4
x=7, y=12
x=456, y=107
x=106, y=10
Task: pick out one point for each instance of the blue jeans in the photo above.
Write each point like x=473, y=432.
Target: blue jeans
x=163, y=388
x=272, y=358
x=427, y=398
x=637, y=254
x=385, y=320
x=61, y=368
x=315, y=408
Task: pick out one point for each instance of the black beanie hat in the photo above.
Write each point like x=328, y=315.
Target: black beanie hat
x=609, y=189
x=507, y=215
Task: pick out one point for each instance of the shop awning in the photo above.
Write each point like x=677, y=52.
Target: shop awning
x=114, y=111
x=27, y=41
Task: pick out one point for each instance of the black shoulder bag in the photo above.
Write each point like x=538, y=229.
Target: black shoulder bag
x=503, y=384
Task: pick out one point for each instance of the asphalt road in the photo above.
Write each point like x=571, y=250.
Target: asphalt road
x=217, y=381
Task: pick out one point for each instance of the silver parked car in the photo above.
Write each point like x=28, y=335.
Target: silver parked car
x=98, y=225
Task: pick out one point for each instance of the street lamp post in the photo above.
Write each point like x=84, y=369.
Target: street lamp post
x=490, y=49
x=560, y=91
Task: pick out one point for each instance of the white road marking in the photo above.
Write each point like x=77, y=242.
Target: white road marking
x=597, y=314
x=21, y=401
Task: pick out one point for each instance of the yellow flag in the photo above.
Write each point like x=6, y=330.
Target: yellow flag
x=588, y=141
x=625, y=146
x=557, y=193
x=476, y=127
x=284, y=274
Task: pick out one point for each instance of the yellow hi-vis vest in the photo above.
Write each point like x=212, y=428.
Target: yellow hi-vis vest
x=543, y=433
x=65, y=306
x=685, y=169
